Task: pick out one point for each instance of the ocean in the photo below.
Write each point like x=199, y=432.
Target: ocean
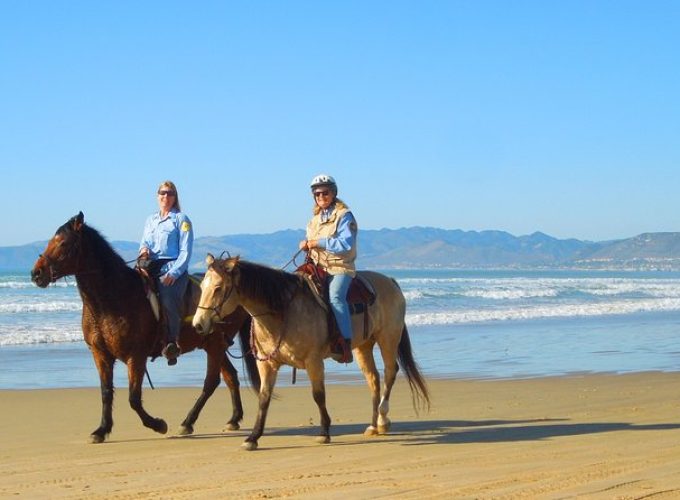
x=462, y=324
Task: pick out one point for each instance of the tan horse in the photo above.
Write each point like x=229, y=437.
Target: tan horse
x=290, y=328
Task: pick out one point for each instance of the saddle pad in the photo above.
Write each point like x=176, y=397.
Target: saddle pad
x=155, y=306
x=315, y=291
x=361, y=291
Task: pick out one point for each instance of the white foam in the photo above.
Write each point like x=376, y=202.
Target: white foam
x=500, y=289
x=511, y=293
x=412, y=295
x=20, y=284
x=40, y=307
x=24, y=334
x=546, y=311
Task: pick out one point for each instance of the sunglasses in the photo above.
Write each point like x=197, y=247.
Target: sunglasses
x=165, y=192
x=321, y=193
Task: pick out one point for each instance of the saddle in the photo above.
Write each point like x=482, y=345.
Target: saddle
x=148, y=272
x=150, y=288
x=360, y=296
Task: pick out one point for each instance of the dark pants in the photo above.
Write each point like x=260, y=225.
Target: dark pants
x=172, y=298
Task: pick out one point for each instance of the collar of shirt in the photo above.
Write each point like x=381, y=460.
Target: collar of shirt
x=172, y=211
x=326, y=213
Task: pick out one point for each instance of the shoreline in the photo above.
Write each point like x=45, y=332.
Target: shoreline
x=590, y=435
x=499, y=350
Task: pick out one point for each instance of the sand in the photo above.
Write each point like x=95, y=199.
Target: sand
x=591, y=436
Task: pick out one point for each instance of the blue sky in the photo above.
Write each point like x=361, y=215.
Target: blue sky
x=561, y=117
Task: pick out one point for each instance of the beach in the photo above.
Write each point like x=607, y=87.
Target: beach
x=544, y=385
x=589, y=436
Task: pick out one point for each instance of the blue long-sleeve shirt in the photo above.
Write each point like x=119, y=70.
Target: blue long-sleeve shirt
x=345, y=236
x=169, y=237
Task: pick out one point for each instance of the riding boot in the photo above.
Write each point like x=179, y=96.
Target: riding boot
x=171, y=352
x=341, y=350
x=171, y=349
x=347, y=354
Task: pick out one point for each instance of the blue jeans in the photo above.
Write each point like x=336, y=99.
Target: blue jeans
x=338, y=284
x=171, y=301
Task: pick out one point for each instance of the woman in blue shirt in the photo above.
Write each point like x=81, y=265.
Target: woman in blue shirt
x=331, y=243
x=166, y=245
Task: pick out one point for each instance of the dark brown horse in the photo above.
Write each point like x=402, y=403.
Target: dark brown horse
x=118, y=324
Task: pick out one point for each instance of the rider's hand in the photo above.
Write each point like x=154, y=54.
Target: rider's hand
x=303, y=245
x=167, y=280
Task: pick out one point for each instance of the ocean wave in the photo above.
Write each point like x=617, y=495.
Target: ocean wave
x=413, y=295
x=24, y=284
x=22, y=335
x=511, y=293
x=38, y=307
x=547, y=311
x=499, y=289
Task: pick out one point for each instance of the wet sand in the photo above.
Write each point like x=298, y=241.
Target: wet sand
x=591, y=436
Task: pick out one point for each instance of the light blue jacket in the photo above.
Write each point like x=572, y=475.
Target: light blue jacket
x=171, y=237
x=344, y=238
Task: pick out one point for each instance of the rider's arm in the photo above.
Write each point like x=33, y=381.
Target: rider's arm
x=186, y=243
x=344, y=238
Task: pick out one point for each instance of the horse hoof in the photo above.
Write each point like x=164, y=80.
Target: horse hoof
x=249, y=446
x=96, y=439
x=383, y=429
x=323, y=439
x=371, y=431
x=185, y=430
x=161, y=426
x=232, y=426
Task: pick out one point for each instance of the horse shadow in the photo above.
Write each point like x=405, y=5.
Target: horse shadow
x=413, y=433
x=419, y=433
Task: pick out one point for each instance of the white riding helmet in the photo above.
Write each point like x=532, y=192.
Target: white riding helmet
x=322, y=180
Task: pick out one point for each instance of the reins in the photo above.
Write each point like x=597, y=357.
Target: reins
x=253, y=347
x=292, y=261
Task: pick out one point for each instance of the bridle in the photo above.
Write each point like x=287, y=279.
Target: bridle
x=216, y=309
x=253, y=347
x=52, y=264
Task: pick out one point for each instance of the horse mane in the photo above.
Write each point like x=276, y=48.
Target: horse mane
x=107, y=257
x=274, y=286
x=103, y=249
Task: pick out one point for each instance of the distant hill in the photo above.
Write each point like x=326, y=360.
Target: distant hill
x=646, y=251
x=424, y=247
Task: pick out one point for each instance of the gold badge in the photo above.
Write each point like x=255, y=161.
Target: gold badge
x=185, y=226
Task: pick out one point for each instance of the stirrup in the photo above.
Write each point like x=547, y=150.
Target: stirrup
x=341, y=351
x=171, y=352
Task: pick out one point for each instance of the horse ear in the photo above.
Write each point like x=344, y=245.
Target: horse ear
x=209, y=260
x=230, y=263
x=77, y=221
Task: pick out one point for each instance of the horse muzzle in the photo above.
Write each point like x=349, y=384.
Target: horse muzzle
x=41, y=276
x=202, y=324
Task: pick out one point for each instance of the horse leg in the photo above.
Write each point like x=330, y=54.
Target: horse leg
x=230, y=376
x=364, y=357
x=136, y=368
x=389, y=356
x=268, y=374
x=104, y=363
x=315, y=372
x=210, y=383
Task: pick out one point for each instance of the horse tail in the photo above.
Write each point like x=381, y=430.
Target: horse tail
x=419, y=391
x=248, y=355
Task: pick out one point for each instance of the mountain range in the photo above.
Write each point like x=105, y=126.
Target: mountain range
x=424, y=247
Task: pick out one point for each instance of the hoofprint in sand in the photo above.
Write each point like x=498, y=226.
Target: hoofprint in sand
x=600, y=436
